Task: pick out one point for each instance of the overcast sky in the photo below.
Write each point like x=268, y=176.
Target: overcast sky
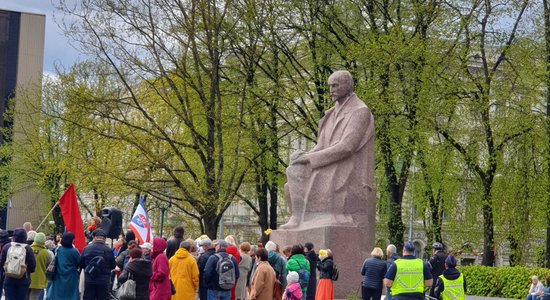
x=57, y=49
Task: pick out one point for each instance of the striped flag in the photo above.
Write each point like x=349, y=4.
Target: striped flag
x=140, y=224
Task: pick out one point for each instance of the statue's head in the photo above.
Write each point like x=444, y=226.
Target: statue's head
x=340, y=85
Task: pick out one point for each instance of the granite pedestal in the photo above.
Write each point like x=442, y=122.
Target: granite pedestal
x=351, y=245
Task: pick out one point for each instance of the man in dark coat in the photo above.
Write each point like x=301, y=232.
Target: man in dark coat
x=391, y=255
x=96, y=284
x=211, y=273
x=312, y=257
x=437, y=264
x=174, y=242
x=18, y=288
x=206, y=245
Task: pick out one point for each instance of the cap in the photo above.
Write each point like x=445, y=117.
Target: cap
x=222, y=243
x=40, y=238
x=450, y=261
x=205, y=242
x=146, y=246
x=409, y=246
x=270, y=246
x=99, y=233
x=437, y=246
x=31, y=235
x=292, y=277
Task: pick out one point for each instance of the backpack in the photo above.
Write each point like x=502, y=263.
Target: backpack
x=226, y=271
x=304, y=276
x=15, y=266
x=93, y=269
x=335, y=273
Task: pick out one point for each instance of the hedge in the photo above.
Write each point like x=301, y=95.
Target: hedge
x=501, y=282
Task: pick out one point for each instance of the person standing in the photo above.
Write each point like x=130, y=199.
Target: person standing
x=437, y=264
x=373, y=271
x=17, y=288
x=42, y=257
x=232, y=250
x=140, y=270
x=4, y=239
x=97, y=261
x=325, y=264
x=451, y=284
x=244, y=267
x=174, y=243
x=212, y=274
x=261, y=287
x=278, y=263
x=65, y=283
x=391, y=255
x=408, y=276
x=208, y=250
x=296, y=262
x=184, y=272
x=159, y=286
x=293, y=290
x=312, y=257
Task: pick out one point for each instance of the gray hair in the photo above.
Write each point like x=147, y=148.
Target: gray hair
x=185, y=245
x=391, y=248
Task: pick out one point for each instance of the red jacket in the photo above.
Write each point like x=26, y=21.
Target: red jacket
x=159, y=286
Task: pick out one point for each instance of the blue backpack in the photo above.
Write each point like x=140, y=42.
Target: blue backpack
x=304, y=276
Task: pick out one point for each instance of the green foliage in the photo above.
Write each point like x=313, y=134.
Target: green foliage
x=503, y=282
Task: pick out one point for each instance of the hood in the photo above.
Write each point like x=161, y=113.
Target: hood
x=20, y=235
x=159, y=245
x=300, y=258
x=451, y=273
x=181, y=253
x=272, y=257
x=141, y=267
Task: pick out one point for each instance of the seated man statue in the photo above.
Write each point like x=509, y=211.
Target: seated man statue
x=333, y=183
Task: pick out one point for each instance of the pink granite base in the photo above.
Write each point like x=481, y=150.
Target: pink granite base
x=351, y=245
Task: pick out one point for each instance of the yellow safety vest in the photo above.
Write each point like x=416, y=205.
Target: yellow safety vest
x=453, y=289
x=409, y=278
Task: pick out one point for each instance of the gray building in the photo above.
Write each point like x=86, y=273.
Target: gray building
x=21, y=60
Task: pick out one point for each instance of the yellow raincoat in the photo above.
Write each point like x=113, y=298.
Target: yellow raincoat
x=184, y=273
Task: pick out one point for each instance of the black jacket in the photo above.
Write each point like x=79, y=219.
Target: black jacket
x=373, y=271
x=450, y=274
x=20, y=236
x=312, y=257
x=141, y=271
x=173, y=246
x=437, y=264
x=203, y=258
x=325, y=267
x=98, y=248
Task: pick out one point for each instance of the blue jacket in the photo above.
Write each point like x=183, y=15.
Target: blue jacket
x=20, y=236
x=211, y=274
x=373, y=272
x=203, y=259
x=98, y=248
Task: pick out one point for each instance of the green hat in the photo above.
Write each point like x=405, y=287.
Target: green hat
x=40, y=238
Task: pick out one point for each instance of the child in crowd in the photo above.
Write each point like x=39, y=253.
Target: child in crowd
x=293, y=290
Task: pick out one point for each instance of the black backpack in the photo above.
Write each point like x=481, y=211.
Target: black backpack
x=93, y=269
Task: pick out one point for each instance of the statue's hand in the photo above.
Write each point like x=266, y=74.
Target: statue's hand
x=301, y=160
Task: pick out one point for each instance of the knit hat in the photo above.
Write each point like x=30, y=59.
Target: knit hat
x=292, y=277
x=40, y=238
x=450, y=261
x=409, y=246
x=31, y=235
x=270, y=246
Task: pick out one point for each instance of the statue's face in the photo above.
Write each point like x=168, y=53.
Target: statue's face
x=339, y=86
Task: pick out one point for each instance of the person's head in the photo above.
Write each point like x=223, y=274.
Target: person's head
x=136, y=253
x=390, y=250
x=132, y=244
x=297, y=249
x=221, y=245
x=50, y=244
x=437, y=246
x=308, y=246
x=40, y=238
x=450, y=261
x=206, y=244
x=325, y=253
x=261, y=255
x=408, y=248
x=159, y=245
x=146, y=248
x=377, y=252
x=286, y=250
x=67, y=239
x=292, y=277
x=340, y=85
x=244, y=247
x=58, y=237
x=130, y=236
x=186, y=245
x=230, y=240
x=99, y=235
x=178, y=232
x=31, y=235
x=271, y=246
x=193, y=246
x=534, y=279
x=4, y=236
x=95, y=221
x=27, y=226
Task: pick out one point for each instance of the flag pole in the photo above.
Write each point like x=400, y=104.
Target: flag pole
x=51, y=210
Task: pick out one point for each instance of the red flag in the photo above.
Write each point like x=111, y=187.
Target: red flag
x=72, y=218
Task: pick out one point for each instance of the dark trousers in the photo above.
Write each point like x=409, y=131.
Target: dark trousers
x=16, y=289
x=96, y=291
x=203, y=293
x=369, y=294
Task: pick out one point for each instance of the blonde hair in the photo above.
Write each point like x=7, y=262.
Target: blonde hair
x=377, y=252
x=230, y=240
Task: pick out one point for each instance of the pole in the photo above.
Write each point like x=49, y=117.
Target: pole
x=162, y=211
x=49, y=213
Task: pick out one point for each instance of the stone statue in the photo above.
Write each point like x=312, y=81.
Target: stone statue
x=332, y=185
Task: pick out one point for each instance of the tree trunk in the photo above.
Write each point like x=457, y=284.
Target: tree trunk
x=489, y=246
